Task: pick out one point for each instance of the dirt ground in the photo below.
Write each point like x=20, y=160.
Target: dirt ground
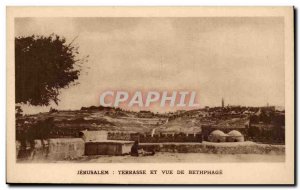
x=182, y=158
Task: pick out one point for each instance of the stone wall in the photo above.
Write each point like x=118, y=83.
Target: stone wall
x=215, y=148
x=156, y=138
x=119, y=136
x=52, y=149
x=114, y=148
x=65, y=148
x=89, y=136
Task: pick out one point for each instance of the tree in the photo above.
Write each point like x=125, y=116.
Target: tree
x=19, y=111
x=44, y=65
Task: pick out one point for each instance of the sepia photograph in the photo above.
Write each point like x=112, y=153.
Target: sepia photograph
x=69, y=62
x=127, y=89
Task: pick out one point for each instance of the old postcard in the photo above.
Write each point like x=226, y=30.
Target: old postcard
x=150, y=95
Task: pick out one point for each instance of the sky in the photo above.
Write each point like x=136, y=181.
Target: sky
x=240, y=59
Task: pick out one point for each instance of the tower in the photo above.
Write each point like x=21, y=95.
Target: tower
x=222, y=102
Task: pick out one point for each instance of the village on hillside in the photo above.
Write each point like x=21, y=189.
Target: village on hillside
x=113, y=131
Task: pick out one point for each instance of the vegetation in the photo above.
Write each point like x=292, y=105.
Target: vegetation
x=44, y=65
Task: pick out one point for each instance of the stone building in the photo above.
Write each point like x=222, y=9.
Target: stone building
x=220, y=136
x=217, y=136
x=235, y=136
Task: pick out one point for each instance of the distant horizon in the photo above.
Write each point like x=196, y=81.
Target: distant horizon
x=48, y=108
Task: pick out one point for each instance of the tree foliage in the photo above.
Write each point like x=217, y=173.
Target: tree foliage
x=18, y=111
x=43, y=66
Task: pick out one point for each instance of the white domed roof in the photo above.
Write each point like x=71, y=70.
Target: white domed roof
x=218, y=133
x=235, y=133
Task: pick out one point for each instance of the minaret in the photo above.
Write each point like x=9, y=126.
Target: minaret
x=222, y=102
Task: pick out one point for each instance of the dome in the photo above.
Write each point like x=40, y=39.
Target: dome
x=235, y=133
x=218, y=133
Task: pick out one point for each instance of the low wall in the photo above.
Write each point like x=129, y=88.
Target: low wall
x=108, y=147
x=88, y=136
x=156, y=138
x=52, y=149
x=216, y=148
x=65, y=148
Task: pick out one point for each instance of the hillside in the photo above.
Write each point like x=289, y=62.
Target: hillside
x=98, y=119
x=180, y=125
x=71, y=122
